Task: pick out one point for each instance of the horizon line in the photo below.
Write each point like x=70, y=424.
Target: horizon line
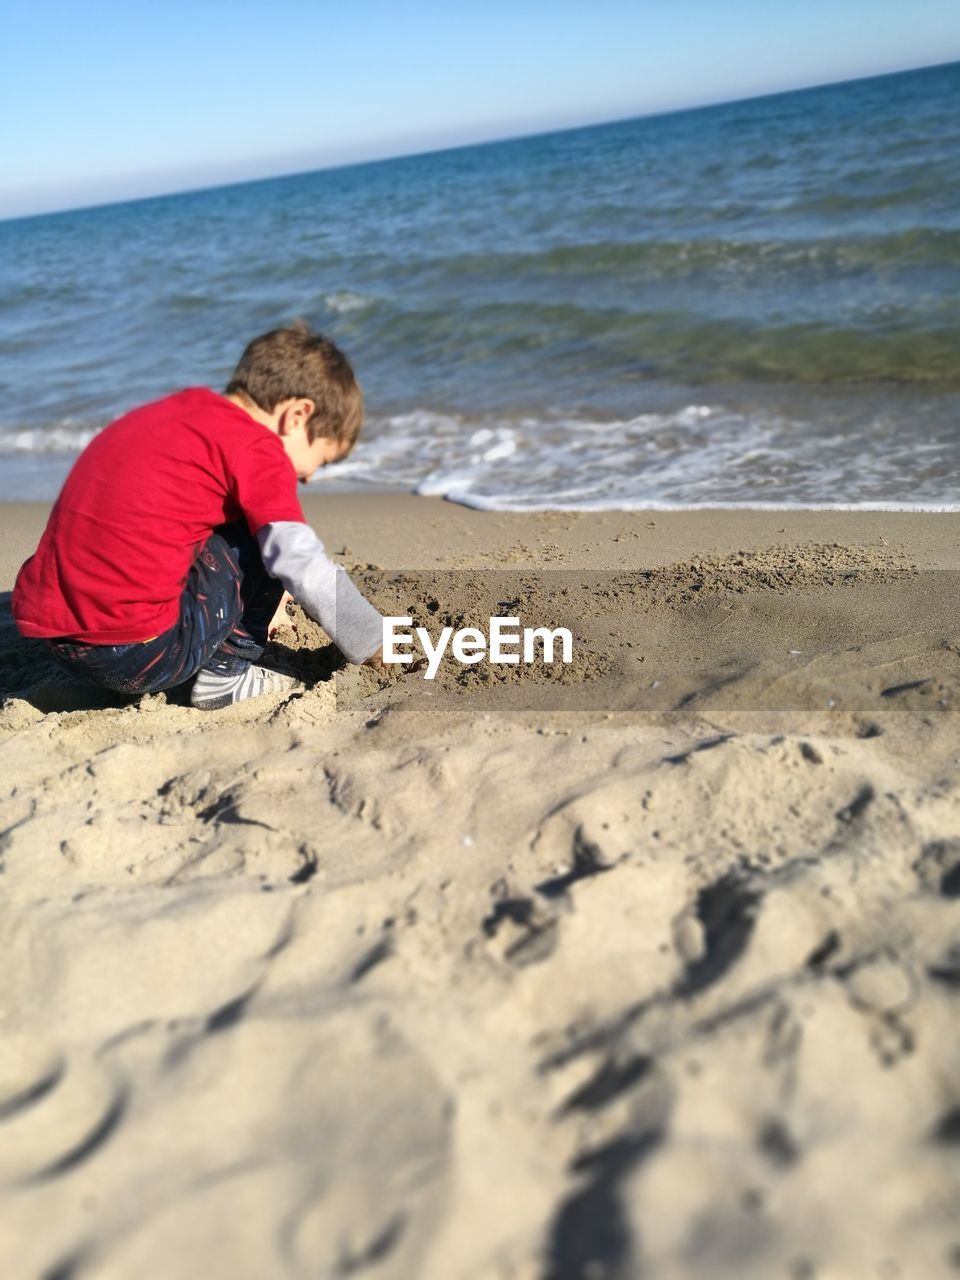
x=428, y=150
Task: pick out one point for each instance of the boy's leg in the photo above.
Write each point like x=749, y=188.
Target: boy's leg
x=231, y=547
x=227, y=604
x=231, y=672
x=211, y=605
x=134, y=669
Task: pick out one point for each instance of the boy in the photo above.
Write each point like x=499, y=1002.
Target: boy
x=179, y=528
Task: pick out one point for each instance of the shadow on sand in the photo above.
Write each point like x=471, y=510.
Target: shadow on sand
x=29, y=672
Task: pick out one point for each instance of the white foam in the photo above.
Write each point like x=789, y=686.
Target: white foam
x=698, y=457
x=343, y=301
x=484, y=504
x=66, y=437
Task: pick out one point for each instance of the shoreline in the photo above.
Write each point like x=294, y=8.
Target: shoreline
x=411, y=531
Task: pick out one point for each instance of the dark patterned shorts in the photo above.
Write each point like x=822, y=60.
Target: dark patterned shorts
x=225, y=610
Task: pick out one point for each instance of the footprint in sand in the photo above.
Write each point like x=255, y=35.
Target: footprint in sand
x=53, y=1113
x=29, y=1068
x=311, y=1145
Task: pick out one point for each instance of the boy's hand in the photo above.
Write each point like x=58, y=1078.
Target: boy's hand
x=281, y=618
x=375, y=660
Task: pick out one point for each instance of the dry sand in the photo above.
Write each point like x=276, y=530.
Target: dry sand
x=646, y=967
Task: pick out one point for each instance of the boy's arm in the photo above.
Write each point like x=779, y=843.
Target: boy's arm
x=293, y=553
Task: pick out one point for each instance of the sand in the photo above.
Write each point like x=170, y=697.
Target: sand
x=643, y=967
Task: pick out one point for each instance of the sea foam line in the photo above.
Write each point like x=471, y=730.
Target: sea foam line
x=481, y=503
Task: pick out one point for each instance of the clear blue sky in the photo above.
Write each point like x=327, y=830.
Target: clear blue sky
x=110, y=99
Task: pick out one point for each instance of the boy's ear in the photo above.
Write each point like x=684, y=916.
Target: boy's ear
x=294, y=414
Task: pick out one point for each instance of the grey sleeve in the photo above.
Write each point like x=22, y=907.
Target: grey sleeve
x=293, y=553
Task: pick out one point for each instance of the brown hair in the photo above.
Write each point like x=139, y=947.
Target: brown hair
x=296, y=363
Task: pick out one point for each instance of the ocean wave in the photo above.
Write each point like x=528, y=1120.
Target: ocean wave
x=343, y=301
x=574, y=342
x=670, y=259
x=480, y=502
x=698, y=455
x=66, y=437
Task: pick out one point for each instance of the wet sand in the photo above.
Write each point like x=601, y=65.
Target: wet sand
x=644, y=966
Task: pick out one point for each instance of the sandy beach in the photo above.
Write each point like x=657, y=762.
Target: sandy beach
x=647, y=966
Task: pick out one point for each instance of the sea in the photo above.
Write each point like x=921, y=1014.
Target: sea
x=755, y=304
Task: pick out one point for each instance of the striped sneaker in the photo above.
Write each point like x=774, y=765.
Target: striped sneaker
x=212, y=690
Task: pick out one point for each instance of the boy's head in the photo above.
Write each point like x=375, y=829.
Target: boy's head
x=298, y=364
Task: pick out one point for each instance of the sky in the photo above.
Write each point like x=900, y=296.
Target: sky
x=111, y=100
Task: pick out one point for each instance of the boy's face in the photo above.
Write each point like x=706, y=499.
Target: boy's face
x=307, y=455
